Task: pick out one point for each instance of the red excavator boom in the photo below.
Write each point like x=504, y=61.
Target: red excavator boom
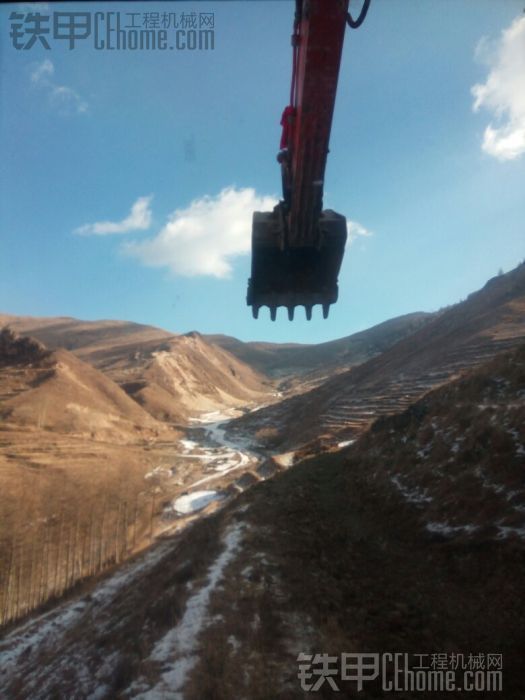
x=320, y=38
x=298, y=248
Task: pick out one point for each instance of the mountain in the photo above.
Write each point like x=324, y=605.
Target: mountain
x=171, y=376
x=463, y=336
x=279, y=360
x=186, y=375
x=55, y=391
x=176, y=376
x=93, y=341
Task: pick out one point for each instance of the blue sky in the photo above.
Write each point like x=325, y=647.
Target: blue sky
x=428, y=167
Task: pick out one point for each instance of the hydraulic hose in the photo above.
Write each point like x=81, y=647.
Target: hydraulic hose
x=356, y=23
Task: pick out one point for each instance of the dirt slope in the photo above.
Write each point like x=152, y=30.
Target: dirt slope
x=56, y=391
x=463, y=336
x=171, y=376
x=184, y=376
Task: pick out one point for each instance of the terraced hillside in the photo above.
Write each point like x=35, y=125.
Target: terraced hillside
x=464, y=336
x=316, y=361
x=352, y=413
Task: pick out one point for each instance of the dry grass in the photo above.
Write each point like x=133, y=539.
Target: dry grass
x=267, y=438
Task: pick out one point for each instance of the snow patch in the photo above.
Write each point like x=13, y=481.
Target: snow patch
x=505, y=531
x=188, y=444
x=448, y=530
x=40, y=635
x=234, y=643
x=412, y=495
x=158, y=472
x=193, y=502
x=178, y=647
x=423, y=453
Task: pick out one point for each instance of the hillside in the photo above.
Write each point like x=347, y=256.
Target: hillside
x=409, y=541
x=90, y=340
x=281, y=360
x=85, y=464
x=170, y=376
x=58, y=392
x=463, y=336
x=458, y=454
x=185, y=376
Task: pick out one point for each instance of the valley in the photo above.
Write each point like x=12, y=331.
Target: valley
x=176, y=507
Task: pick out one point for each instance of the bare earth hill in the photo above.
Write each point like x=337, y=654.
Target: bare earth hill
x=91, y=340
x=54, y=390
x=171, y=376
x=186, y=375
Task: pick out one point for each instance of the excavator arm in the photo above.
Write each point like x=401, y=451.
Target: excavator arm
x=320, y=35
x=298, y=248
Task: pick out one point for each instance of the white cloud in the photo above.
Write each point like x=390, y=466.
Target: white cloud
x=64, y=98
x=203, y=238
x=42, y=71
x=503, y=92
x=355, y=230
x=138, y=219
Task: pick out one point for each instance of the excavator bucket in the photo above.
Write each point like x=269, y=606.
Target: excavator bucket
x=294, y=276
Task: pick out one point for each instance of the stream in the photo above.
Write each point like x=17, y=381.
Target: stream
x=207, y=442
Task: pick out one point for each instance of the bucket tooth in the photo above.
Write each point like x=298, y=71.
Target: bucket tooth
x=255, y=311
x=291, y=310
x=273, y=312
x=326, y=310
x=308, y=310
